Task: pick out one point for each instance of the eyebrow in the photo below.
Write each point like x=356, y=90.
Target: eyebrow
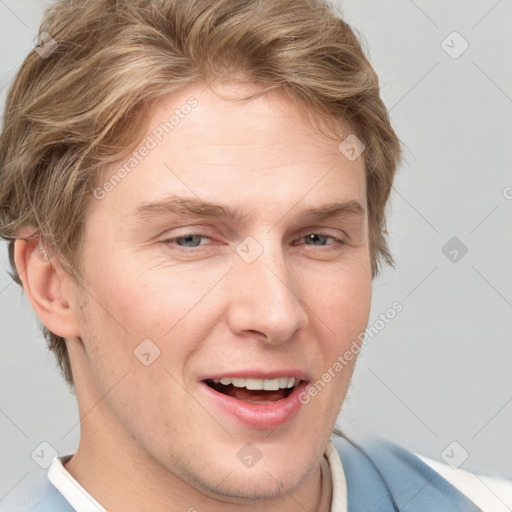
x=193, y=207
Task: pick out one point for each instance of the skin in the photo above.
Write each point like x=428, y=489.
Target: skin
x=150, y=438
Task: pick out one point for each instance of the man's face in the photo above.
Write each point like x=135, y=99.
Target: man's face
x=278, y=290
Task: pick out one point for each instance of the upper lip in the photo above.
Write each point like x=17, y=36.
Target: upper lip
x=258, y=374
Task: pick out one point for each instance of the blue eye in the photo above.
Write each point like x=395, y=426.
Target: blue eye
x=318, y=239
x=195, y=240
x=191, y=240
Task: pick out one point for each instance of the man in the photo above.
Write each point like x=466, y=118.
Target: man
x=194, y=195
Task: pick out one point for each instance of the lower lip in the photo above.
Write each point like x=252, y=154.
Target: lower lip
x=261, y=416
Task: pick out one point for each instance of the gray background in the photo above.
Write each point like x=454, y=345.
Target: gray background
x=441, y=370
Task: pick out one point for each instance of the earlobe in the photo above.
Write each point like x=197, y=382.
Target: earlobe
x=43, y=283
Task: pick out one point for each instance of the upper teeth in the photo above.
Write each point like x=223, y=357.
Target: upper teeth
x=255, y=384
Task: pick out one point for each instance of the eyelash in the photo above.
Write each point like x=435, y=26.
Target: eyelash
x=171, y=241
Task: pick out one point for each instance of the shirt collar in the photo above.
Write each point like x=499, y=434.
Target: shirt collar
x=74, y=493
x=82, y=501
x=339, y=483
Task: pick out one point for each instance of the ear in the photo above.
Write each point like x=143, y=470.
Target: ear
x=48, y=288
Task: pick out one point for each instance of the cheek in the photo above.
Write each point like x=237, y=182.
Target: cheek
x=343, y=297
x=141, y=301
x=134, y=367
x=165, y=312
x=342, y=312
x=341, y=308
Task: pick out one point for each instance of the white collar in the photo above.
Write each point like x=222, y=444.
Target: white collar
x=82, y=501
x=74, y=493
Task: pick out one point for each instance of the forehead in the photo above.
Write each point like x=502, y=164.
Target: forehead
x=259, y=153
x=223, y=118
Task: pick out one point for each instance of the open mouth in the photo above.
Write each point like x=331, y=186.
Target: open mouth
x=257, y=402
x=255, y=390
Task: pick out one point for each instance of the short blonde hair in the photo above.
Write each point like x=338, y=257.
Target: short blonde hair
x=72, y=112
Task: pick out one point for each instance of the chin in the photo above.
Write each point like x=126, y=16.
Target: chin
x=256, y=485
x=274, y=476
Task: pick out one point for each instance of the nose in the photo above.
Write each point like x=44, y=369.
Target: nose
x=265, y=298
